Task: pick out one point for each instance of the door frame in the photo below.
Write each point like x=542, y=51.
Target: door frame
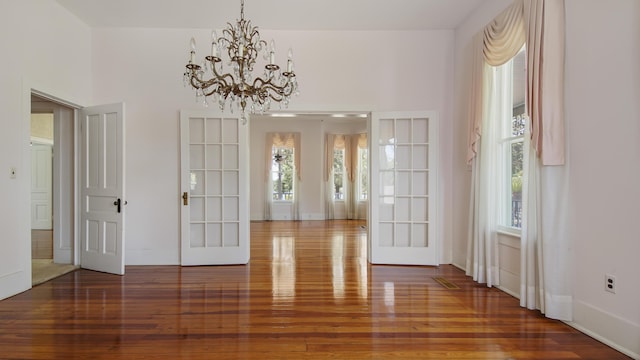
x=72, y=207
x=64, y=172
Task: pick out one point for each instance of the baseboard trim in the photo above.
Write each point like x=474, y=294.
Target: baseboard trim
x=588, y=318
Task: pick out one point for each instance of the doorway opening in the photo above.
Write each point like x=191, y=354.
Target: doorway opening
x=334, y=182
x=52, y=189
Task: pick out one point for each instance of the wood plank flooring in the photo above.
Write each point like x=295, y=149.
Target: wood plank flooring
x=308, y=293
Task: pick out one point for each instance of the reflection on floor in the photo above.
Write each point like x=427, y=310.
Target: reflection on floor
x=42, y=267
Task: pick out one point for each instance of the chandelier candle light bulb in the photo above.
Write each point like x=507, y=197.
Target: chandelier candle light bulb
x=193, y=51
x=245, y=92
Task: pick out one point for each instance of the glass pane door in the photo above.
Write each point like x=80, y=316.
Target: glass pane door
x=215, y=228
x=403, y=177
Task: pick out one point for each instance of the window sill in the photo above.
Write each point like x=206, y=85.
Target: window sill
x=509, y=231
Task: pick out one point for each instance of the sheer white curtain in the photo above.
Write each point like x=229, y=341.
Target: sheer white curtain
x=287, y=140
x=328, y=178
x=486, y=194
x=545, y=243
x=356, y=142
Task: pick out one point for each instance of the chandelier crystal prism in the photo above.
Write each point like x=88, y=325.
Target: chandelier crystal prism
x=242, y=44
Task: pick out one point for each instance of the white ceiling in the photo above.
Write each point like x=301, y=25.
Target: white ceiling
x=276, y=14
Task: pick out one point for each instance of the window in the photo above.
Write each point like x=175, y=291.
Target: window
x=363, y=174
x=512, y=147
x=282, y=172
x=338, y=174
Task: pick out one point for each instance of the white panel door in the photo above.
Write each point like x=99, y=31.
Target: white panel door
x=41, y=186
x=102, y=188
x=214, y=189
x=403, y=187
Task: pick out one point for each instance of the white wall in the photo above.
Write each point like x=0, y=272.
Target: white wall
x=45, y=47
x=602, y=108
x=602, y=91
x=337, y=71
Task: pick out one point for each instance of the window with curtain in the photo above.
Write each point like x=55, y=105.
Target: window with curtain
x=346, y=179
x=338, y=174
x=545, y=244
x=282, y=175
x=282, y=170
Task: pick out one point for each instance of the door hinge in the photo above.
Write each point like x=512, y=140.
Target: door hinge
x=185, y=198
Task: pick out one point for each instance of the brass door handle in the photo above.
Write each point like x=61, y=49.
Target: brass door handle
x=185, y=198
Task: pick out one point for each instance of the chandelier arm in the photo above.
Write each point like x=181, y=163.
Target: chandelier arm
x=195, y=82
x=221, y=78
x=205, y=84
x=268, y=86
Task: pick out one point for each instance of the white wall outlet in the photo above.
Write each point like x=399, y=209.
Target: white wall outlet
x=12, y=172
x=610, y=283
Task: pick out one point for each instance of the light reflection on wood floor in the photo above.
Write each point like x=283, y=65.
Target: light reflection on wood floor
x=307, y=293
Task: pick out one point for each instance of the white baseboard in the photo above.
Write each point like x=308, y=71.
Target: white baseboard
x=277, y=217
x=15, y=282
x=607, y=328
x=151, y=257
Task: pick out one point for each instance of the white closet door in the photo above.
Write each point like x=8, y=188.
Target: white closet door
x=214, y=189
x=41, y=186
x=403, y=188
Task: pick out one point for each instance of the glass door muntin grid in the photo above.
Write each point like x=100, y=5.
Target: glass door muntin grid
x=214, y=171
x=404, y=182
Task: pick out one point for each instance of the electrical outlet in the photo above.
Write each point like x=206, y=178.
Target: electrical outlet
x=610, y=283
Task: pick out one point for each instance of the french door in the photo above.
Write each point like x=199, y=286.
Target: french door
x=214, y=189
x=403, y=187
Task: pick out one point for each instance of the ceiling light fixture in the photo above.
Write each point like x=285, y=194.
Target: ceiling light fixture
x=243, y=44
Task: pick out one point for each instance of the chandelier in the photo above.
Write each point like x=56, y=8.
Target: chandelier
x=242, y=44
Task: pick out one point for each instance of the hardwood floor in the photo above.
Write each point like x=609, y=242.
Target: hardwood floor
x=308, y=293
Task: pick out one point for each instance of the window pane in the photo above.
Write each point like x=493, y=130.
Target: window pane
x=516, y=183
x=282, y=172
x=517, y=125
x=338, y=174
